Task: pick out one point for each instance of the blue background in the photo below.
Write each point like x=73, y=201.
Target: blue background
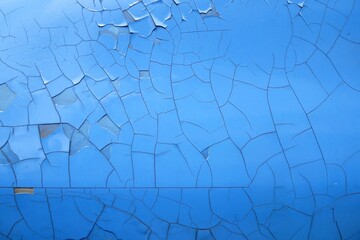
x=180, y=119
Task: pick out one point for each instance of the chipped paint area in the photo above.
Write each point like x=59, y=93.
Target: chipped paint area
x=180, y=119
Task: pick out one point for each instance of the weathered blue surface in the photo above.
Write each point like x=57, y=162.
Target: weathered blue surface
x=180, y=119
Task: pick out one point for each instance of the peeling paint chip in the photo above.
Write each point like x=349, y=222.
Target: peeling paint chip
x=24, y=190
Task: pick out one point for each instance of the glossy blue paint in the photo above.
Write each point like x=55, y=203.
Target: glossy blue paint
x=180, y=119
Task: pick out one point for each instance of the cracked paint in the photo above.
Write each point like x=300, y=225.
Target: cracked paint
x=180, y=119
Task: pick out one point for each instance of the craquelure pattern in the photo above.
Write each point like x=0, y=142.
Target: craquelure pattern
x=180, y=119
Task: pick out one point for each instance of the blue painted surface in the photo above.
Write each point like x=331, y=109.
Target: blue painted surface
x=180, y=119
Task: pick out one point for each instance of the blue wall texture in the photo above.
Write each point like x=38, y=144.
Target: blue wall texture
x=180, y=119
